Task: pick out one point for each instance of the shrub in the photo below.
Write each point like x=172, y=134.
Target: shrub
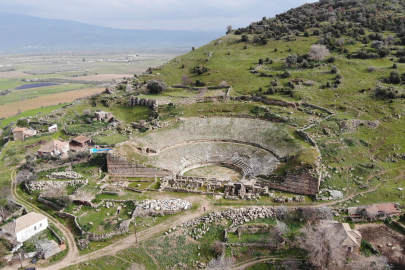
x=371, y=69
x=318, y=52
x=394, y=66
x=394, y=77
x=245, y=38
x=286, y=74
x=156, y=87
x=291, y=60
x=334, y=70
x=261, y=61
x=401, y=60
x=331, y=60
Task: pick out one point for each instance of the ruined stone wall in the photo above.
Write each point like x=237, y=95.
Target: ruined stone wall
x=136, y=101
x=118, y=166
x=303, y=183
x=49, y=203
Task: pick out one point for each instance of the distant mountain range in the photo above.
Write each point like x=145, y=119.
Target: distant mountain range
x=23, y=33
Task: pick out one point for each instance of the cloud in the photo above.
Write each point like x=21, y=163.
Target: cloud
x=153, y=14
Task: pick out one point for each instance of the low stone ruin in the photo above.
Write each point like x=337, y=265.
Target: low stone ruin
x=245, y=189
x=65, y=175
x=328, y=195
x=165, y=205
x=235, y=216
x=43, y=185
x=284, y=199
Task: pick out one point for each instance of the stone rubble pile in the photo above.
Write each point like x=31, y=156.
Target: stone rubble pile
x=328, y=195
x=42, y=185
x=236, y=216
x=65, y=175
x=164, y=205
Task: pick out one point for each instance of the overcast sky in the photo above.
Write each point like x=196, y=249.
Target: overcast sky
x=209, y=15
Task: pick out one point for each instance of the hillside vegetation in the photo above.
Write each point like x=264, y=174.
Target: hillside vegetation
x=345, y=56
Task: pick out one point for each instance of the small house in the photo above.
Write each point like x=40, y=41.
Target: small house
x=81, y=141
x=24, y=227
x=20, y=133
x=103, y=116
x=54, y=148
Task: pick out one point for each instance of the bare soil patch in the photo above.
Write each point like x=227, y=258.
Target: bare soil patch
x=100, y=77
x=11, y=109
x=8, y=75
x=380, y=234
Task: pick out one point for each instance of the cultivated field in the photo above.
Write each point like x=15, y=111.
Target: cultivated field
x=14, y=74
x=11, y=109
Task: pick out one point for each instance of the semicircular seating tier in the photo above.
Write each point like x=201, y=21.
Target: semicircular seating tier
x=247, y=159
x=269, y=136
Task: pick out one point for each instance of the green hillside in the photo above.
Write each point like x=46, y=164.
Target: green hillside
x=360, y=80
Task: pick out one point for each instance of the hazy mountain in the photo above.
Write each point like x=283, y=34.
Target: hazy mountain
x=21, y=33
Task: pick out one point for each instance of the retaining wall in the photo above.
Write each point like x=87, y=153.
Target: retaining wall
x=119, y=166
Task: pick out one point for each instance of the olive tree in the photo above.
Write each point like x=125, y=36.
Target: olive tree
x=156, y=87
x=318, y=52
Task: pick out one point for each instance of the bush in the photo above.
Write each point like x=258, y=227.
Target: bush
x=334, y=70
x=371, y=69
x=331, y=60
x=286, y=74
x=156, y=87
x=394, y=77
x=65, y=201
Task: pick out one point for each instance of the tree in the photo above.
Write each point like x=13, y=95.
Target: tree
x=156, y=87
x=291, y=61
x=321, y=243
x=245, y=38
x=261, y=61
x=228, y=28
x=192, y=48
x=22, y=123
x=318, y=52
x=218, y=248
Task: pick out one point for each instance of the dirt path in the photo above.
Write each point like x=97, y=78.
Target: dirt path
x=245, y=264
x=73, y=251
x=143, y=235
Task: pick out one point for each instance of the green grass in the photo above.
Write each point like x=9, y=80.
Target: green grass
x=34, y=112
x=8, y=84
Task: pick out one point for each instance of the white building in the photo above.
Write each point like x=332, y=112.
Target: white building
x=53, y=128
x=23, y=228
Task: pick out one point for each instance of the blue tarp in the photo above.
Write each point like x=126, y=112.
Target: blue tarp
x=93, y=150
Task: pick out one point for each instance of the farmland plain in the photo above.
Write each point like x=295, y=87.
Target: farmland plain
x=74, y=75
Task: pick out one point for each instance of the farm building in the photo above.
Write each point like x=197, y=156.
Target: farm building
x=103, y=116
x=23, y=228
x=54, y=148
x=81, y=141
x=20, y=133
x=374, y=211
